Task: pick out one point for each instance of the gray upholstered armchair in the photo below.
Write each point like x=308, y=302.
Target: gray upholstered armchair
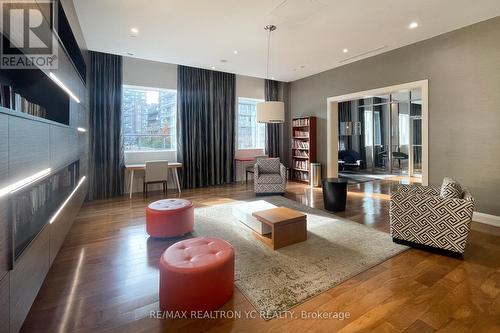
x=270, y=176
x=432, y=216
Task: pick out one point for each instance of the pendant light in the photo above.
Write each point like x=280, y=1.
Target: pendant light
x=270, y=112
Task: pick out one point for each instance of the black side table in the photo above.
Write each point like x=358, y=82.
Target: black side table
x=334, y=194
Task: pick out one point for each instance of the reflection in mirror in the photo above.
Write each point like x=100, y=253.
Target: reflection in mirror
x=381, y=135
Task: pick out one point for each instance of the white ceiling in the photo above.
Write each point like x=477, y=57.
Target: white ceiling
x=310, y=37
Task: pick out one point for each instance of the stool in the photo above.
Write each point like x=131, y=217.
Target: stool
x=169, y=218
x=196, y=274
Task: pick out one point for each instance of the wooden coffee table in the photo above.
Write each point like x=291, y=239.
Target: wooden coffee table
x=287, y=226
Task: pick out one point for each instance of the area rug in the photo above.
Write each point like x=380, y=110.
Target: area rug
x=276, y=281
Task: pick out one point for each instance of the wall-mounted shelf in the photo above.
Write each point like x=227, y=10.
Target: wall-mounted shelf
x=15, y=113
x=36, y=87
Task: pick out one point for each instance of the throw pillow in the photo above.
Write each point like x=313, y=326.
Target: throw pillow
x=450, y=189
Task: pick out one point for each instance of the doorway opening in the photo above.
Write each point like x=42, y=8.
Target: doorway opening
x=381, y=133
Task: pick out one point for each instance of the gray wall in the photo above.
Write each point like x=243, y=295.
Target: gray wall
x=146, y=73
x=463, y=69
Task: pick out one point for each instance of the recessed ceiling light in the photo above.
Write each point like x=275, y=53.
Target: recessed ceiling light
x=272, y=77
x=135, y=31
x=413, y=25
x=235, y=51
x=213, y=67
x=345, y=50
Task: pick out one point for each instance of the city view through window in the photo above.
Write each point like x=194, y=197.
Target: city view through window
x=149, y=118
x=251, y=134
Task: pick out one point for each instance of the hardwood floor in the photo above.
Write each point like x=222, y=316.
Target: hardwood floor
x=105, y=277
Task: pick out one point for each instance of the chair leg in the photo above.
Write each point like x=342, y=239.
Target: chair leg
x=246, y=177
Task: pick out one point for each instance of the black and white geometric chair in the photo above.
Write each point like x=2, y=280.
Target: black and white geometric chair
x=269, y=176
x=433, y=217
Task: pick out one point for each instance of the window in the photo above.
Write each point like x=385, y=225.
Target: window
x=251, y=134
x=149, y=118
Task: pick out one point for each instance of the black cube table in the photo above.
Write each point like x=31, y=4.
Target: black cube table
x=334, y=194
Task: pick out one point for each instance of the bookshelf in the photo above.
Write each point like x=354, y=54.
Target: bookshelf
x=303, y=147
x=32, y=92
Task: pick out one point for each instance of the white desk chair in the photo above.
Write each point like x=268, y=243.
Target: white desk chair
x=155, y=172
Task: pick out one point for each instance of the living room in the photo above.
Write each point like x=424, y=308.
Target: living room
x=236, y=166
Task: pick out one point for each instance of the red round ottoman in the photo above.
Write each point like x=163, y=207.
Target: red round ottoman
x=169, y=218
x=196, y=274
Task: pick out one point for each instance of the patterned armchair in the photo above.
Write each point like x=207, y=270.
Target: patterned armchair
x=269, y=176
x=431, y=216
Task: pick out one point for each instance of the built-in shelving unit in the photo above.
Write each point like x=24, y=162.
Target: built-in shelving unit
x=303, y=147
x=39, y=137
x=32, y=91
x=33, y=87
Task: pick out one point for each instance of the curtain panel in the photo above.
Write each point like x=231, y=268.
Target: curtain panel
x=206, y=104
x=345, y=116
x=273, y=142
x=106, y=149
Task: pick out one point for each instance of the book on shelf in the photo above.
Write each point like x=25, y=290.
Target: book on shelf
x=297, y=144
x=300, y=153
x=6, y=96
x=301, y=175
x=15, y=101
x=301, y=134
x=300, y=122
x=300, y=164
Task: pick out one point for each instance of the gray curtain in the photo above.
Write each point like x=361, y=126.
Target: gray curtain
x=206, y=125
x=106, y=149
x=345, y=116
x=273, y=141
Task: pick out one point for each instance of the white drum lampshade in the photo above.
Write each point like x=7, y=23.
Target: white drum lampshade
x=271, y=112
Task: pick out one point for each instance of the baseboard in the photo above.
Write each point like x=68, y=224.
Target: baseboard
x=486, y=219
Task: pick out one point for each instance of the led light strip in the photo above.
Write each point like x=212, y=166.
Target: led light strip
x=24, y=182
x=81, y=129
x=67, y=200
x=63, y=86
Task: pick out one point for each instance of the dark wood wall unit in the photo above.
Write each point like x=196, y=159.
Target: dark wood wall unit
x=27, y=277
x=4, y=174
x=28, y=147
x=4, y=150
x=63, y=30
x=30, y=144
x=5, y=235
x=64, y=145
x=4, y=304
x=61, y=225
x=36, y=86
